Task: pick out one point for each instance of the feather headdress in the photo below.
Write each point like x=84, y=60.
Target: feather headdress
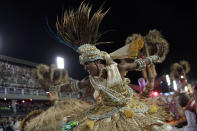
x=78, y=28
x=48, y=77
x=180, y=68
x=186, y=66
x=81, y=31
x=153, y=39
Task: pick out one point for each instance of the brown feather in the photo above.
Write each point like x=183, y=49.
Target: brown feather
x=78, y=28
x=176, y=70
x=186, y=66
x=47, y=77
x=154, y=37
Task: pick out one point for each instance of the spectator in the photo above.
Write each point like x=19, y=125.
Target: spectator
x=16, y=75
x=17, y=124
x=1, y=127
x=191, y=105
x=191, y=112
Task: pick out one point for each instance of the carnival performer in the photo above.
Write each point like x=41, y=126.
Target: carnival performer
x=191, y=112
x=191, y=105
x=153, y=39
x=118, y=109
x=179, y=71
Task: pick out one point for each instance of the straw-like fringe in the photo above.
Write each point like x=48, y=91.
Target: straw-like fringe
x=51, y=120
x=186, y=66
x=121, y=123
x=73, y=109
x=52, y=72
x=28, y=117
x=153, y=38
x=77, y=27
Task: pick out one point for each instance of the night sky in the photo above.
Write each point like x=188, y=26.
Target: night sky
x=22, y=33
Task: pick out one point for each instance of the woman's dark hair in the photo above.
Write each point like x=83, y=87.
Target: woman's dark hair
x=183, y=99
x=102, y=62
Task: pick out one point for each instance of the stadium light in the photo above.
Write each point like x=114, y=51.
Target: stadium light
x=175, y=85
x=60, y=62
x=5, y=99
x=168, y=79
x=182, y=77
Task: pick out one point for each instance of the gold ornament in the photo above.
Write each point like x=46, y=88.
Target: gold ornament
x=90, y=124
x=128, y=113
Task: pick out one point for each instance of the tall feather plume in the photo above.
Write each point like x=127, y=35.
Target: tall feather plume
x=48, y=77
x=154, y=38
x=78, y=28
x=186, y=66
x=180, y=68
x=176, y=70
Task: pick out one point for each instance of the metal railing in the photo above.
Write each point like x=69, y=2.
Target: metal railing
x=22, y=91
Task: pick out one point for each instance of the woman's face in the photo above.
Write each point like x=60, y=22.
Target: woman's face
x=92, y=68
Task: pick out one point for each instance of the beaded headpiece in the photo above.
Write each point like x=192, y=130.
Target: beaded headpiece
x=89, y=53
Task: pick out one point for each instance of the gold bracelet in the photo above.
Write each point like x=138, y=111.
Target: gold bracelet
x=141, y=64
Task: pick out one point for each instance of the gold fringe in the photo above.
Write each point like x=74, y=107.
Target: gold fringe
x=51, y=119
x=90, y=124
x=28, y=117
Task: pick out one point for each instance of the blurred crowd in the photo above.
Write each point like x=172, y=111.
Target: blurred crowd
x=23, y=107
x=10, y=121
x=16, y=75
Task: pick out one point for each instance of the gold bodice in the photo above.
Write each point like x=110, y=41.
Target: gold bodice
x=112, y=88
